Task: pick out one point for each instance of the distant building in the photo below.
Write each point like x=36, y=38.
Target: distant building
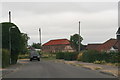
x=58, y=45
x=109, y=45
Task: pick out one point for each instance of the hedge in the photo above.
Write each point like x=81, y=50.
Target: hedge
x=60, y=55
x=16, y=40
x=114, y=57
x=5, y=58
x=66, y=55
x=70, y=56
x=92, y=56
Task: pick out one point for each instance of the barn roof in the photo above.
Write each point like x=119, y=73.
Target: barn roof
x=92, y=46
x=57, y=42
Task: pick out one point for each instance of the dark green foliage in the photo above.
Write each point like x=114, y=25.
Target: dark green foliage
x=70, y=56
x=60, y=55
x=66, y=55
x=75, y=41
x=92, y=56
x=24, y=43
x=5, y=58
x=36, y=45
x=114, y=57
x=16, y=40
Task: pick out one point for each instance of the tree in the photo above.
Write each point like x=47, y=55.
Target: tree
x=15, y=35
x=24, y=42
x=36, y=45
x=18, y=40
x=74, y=39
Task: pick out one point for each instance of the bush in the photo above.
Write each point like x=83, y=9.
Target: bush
x=60, y=55
x=48, y=55
x=99, y=57
x=70, y=56
x=90, y=56
x=66, y=55
x=5, y=58
x=114, y=57
x=80, y=56
x=14, y=58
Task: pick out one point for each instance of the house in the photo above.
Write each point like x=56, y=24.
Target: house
x=109, y=45
x=92, y=46
x=58, y=45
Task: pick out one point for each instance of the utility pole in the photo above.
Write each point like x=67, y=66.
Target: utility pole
x=40, y=35
x=79, y=39
x=9, y=16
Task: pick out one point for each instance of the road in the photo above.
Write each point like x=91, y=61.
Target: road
x=50, y=69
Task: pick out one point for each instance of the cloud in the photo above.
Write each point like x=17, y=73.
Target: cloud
x=60, y=20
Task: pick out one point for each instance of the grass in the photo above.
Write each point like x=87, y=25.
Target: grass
x=97, y=68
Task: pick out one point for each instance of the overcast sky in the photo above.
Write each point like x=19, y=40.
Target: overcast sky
x=99, y=20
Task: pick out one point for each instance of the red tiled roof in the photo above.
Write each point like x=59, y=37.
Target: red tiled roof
x=107, y=45
x=57, y=42
x=92, y=46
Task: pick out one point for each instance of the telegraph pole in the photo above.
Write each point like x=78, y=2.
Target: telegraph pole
x=40, y=35
x=79, y=39
x=9, y=16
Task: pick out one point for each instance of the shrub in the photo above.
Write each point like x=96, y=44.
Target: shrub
x=14, y=58
x=5, y=58
x=90, y=56
x=48, y=55
x=60, y=55
x=80, y=56
x=114, y=57
x=99, y=57
x=66, y=55
x=70, y=56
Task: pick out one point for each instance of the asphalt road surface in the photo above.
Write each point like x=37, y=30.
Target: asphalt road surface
x=49, y=69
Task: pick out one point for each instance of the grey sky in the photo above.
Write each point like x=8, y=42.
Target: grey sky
x=99, y=20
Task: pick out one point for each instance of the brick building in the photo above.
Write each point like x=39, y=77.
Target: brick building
x=58, y=45
x=109, y=45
